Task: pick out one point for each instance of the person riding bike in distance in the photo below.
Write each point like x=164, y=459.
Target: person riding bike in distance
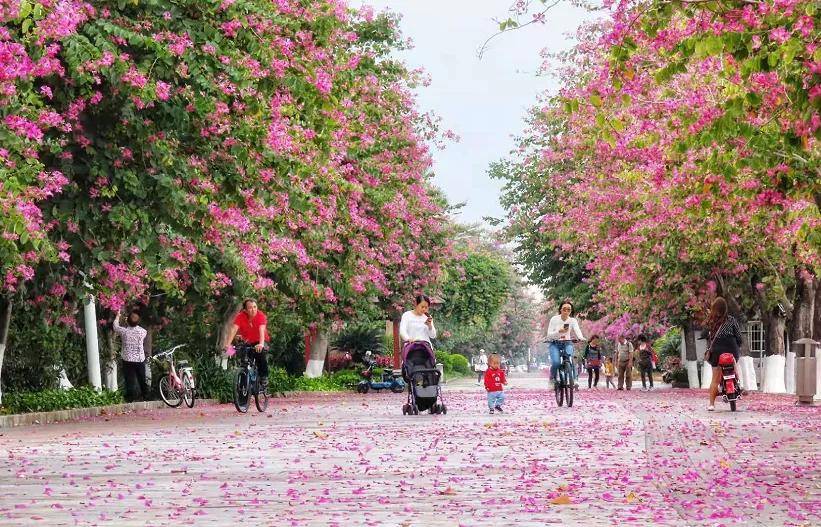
x=562, y=331
x=251, y=323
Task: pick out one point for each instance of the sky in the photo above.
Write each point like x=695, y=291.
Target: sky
x=483, y=101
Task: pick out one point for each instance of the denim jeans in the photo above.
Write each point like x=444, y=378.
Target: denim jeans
x=495, y=399
x=555, y=360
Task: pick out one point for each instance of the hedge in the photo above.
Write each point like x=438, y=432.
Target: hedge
x=51, y=400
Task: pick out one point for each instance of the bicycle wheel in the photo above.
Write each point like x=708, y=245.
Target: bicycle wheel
x=568, y=387
x=188, y=393
x=558, y=386
x=169, y=394
x=260, y=399
x=241, y=390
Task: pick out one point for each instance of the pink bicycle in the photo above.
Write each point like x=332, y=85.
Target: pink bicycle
x=176, y=387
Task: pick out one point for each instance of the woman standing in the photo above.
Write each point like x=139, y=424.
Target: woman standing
x=593, y=361
x=416, y=325
x=562, y=331
x=724, y=336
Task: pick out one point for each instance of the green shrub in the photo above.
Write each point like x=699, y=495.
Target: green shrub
x=212, y=381
x=51, y=400
x=454, y=364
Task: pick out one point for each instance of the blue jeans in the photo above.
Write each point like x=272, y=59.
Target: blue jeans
x=555, y=361
x=495, y=399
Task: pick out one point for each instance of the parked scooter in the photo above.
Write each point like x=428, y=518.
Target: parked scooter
x=728, y=387
x=391, y=379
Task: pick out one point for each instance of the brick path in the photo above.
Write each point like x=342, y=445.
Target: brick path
x=626, y=458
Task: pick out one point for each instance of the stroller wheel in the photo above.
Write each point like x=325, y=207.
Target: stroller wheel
x=444, y=409
x=414, y=410
x=404, y=409
x=434, y=409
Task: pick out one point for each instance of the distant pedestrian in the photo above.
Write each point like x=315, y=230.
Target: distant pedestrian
x=645, y=362
x=593, y=360
x=481, y=366
x=624, y=363
x=133, y=355
x=495, y=380
x=609, y=372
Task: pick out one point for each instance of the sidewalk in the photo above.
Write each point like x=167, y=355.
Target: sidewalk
x=615, y=458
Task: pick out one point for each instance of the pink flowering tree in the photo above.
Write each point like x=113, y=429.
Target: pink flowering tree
x=680, y=161
x=186, y=155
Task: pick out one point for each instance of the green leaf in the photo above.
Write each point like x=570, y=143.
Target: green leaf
x=25, y=10
x=595, y=100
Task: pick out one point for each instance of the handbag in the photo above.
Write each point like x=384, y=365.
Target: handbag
x=713, y=341
x=593, y=363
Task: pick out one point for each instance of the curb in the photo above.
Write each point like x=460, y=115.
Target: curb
x=41, y=418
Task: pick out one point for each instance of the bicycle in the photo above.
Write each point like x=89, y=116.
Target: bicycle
x=246, y=383
x=176, y=387
x=563, y=386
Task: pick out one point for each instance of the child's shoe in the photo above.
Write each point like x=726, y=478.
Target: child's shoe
x=499, y=409
x=491, y=410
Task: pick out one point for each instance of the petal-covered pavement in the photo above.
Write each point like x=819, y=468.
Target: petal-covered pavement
x=615, y=458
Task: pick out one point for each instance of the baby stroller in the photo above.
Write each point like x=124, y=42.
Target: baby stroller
x=422, y=378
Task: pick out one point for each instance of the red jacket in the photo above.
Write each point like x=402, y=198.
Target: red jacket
x=494, y=379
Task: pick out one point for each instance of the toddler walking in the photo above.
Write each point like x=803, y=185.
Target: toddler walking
x=494, y=383
x=609, y=372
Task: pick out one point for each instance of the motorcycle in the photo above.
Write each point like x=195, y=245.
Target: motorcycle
x=391, y=379
x=728, y=387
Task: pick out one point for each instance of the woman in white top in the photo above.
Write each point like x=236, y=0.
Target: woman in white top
x=417, y=325
x=562, y=331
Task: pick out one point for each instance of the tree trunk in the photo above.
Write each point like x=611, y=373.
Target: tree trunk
x=690, y=341
x=802, y=321
x=110, y=364
x=775, y=325
x=5, y=322
x=148, y=347
x=224, y=331
x=816, y=319
x=319, y=349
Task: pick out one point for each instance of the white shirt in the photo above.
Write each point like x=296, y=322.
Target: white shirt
x=481, y=364
x=557, y=324
x=413, y=327
x=133, y=338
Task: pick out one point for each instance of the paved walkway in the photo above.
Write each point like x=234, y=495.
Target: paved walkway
x=615, y=458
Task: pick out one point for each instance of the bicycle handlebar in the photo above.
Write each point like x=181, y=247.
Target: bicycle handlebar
x=168, y=352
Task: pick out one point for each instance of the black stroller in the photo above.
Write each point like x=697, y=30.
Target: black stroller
x=422, y=377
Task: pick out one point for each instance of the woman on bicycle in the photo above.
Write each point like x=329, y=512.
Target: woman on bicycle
x=562, y=331
x=251, y=323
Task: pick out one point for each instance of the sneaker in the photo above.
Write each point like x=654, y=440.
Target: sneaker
x=711, y=408
x=622, y=389
x=643, y=389
x=499, y=409
x=491, y=410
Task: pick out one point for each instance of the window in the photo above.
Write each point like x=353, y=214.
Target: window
x=754, y=334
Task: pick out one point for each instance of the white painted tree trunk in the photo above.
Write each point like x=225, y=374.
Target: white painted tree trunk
x=2, y=354
x=92, y=345
x=706, y=375
x=64, y=383
x=817, y=374
x=773, y=376
x=111, y=383
x=316, y=360
x=746, y=371
x=692, y=373
x=5, y=322
x=789, y=373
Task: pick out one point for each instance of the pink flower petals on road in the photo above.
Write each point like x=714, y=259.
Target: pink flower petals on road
x=615, y=458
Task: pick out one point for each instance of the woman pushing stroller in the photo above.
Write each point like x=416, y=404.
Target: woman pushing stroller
x=417, y=324
x=416, y=329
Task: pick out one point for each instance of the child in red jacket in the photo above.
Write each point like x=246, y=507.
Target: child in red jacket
x=494, y=383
